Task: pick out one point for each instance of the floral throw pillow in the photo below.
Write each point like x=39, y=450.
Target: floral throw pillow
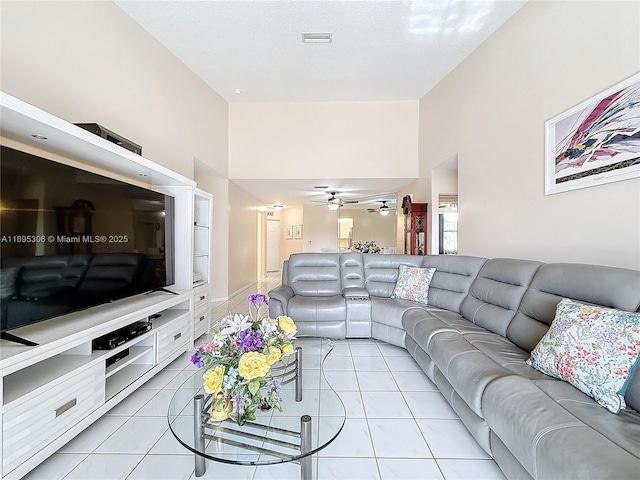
x=593, y=348
x=413, y=283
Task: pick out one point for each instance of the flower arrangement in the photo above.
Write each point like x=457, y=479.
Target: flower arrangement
x=365, y=247
x=237, y=361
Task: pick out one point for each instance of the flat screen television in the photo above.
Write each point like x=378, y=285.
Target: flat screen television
x=72, y=239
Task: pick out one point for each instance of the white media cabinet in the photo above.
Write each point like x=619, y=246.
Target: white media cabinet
x=51, y=392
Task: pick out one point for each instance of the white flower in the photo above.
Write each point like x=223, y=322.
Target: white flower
x=236, y=323
x=268, y=328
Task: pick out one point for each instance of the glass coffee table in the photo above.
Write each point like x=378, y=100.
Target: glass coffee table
x=313, y=415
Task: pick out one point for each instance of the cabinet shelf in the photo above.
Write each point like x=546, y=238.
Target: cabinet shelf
x=125, y=377
x=135, y=353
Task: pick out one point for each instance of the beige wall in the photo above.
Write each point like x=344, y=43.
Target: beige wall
x=491, y=111
x=243, y=238
x=372, y=226
x=90, y=62
x=323, y=140
x=289, y=216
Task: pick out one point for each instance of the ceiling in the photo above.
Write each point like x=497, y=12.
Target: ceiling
x=381, y=50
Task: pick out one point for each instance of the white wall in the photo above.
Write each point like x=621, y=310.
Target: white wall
x=323, y=140
x=320, y=229
x=491, y=111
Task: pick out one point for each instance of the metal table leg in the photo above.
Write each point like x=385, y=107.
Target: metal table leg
x=306, y=463
x=198, y=433
x=298, y=374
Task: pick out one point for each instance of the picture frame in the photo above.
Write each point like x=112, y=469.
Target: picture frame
x=595, y=142
x=288, y=232
x=297, y=232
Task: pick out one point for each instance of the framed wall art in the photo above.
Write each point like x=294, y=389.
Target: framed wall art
x=595, y=142
x=297, y=232
x=288, y=232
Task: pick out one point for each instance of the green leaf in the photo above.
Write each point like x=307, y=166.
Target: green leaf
x=254, y=386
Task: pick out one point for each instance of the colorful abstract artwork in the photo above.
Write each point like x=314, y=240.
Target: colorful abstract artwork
x=595, y=142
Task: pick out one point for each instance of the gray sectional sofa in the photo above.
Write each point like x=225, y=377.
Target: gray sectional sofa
x=483, y=318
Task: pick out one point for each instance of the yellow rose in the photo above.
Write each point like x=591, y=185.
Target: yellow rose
x=286, y=324
x=253, y=365
x=274, y=355
x=213, y=379
x=287, y=349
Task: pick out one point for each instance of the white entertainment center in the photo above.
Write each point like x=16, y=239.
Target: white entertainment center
x=53, y=391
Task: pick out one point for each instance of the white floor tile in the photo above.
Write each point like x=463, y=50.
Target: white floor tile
x=334, y=362
x=105, y=467
x=385, y=405
x=429, y=405
x=470, y=470
x=353, y=405
x=93, y=436
x=402, y=364
x=137, y=435
x=353, y=441
x=376, y=382
x=164, y=467
x=414, y=382
x=409, y=469
x=450, y=439
x=398, y=438
x=160, y=380
x=364, y=350
x=158, y=405
x=133, y=402
x=345, y=380
x=370, y=364
x=347, y=469
x=56, y=466
x=281, y=471
x=389, y=350
x=168, y=443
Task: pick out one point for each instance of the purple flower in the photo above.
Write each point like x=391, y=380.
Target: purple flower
x=259, y=299
x=196, y=358
x=248, y=340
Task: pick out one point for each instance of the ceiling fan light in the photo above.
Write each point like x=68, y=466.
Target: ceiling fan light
x=333, y=206
x=384, y=212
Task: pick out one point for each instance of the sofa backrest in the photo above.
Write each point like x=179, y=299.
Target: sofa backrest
x=452, y=279
x=496, y=293
x=285, y=273
x=40, y=277
x=315, y=274
x=594, y=284
x=352, y=270
x=112, y=272
x=381, y=271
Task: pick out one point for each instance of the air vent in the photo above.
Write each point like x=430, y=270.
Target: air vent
x=322, y=187
x=316, y=37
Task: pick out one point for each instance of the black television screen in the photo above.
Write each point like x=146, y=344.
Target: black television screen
x=72, y=239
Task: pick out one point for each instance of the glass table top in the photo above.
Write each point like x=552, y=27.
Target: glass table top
x=274, y=437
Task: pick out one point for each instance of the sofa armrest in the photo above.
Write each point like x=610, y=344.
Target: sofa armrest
x=278, y=299
x=355, y=293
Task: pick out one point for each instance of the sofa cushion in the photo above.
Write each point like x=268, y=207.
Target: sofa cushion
x=543, y=431
x=593, y=348
x=315, y=274
x=496, y=293
x=317, y=309
x=389, y=311
x=413, y=283
x=452, y=279
x=381, y=272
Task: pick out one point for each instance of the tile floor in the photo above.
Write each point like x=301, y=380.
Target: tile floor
x=398, y=426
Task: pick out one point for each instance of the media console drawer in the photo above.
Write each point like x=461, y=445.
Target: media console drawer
x=172, y=337
x=37, y=420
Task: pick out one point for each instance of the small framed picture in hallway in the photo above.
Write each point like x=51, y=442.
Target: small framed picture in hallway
x=297, y=232
x=288, y=235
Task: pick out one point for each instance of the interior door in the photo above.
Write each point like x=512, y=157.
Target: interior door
x=273, y=245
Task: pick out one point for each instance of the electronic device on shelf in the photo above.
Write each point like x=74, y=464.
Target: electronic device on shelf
x=111, y=136
x=121, y=336
x=117, y=357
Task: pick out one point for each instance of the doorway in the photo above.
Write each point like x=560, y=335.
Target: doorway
x=273, y=245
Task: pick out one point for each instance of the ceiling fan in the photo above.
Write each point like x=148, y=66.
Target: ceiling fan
x=333, y=202
x=383, y=209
